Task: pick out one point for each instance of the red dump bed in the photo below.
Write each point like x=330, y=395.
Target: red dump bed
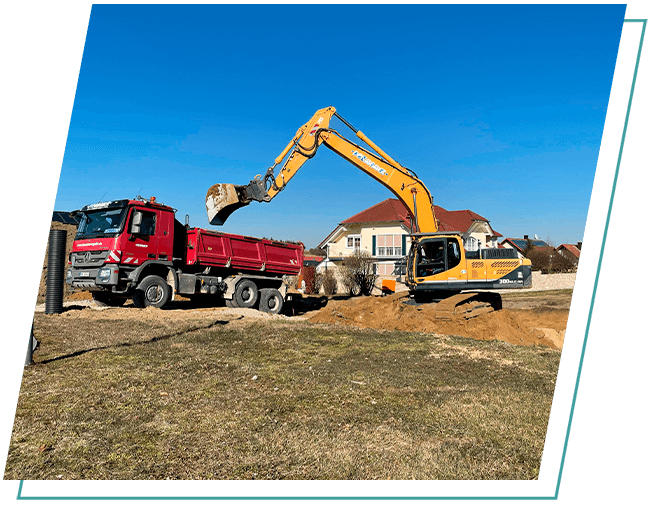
x=244, y=254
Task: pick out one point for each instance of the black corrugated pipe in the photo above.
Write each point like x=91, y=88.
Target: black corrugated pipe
x=30, y=347
x=55, y=272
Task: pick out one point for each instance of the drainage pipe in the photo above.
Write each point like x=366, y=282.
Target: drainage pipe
x=55, y=272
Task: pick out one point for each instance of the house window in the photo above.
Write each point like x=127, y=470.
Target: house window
x=354, y=242
x=471, y=244
x=389, y=245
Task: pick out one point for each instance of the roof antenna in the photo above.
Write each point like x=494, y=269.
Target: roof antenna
x=137, y=195
x=103, y=196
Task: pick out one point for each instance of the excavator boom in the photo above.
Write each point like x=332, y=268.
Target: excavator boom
x=223, y=199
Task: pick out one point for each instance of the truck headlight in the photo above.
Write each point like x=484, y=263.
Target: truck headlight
x=68, y=276
x=104, y=274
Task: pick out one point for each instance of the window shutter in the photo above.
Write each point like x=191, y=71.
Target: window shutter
x=374, y=245
x=403, y=245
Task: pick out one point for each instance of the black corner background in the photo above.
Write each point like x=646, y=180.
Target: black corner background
x=606, y=421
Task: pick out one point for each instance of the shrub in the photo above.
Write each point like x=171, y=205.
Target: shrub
x=329, y=282
x=309, y=276
x=358, y=273
x=547, y=260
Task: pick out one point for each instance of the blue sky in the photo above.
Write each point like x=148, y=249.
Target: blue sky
x=498, y=109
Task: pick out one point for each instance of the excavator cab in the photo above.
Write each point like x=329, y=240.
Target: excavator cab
x=436, y=255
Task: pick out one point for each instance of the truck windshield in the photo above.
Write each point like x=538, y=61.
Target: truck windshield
x=101, y=222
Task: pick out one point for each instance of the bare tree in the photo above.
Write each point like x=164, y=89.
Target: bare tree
x=358, y=273
x=328, y=282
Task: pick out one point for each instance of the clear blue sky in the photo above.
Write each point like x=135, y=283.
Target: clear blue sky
x=498, y=109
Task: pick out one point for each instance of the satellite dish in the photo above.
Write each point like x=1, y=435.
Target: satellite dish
x=536, y=237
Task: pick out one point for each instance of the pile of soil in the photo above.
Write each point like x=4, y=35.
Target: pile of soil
x=524, y=327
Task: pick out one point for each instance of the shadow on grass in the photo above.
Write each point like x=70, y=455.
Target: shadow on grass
x=131, y=344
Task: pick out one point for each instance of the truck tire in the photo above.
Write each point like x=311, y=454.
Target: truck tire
x=153, y=291
x=271, y=301
x=246, y=294
x=103, y=299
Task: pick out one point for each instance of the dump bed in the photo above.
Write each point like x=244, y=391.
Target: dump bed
x=243, y=254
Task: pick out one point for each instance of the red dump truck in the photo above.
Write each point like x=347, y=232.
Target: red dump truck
x=138, y=249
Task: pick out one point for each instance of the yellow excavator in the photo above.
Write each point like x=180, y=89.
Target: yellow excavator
x=437, y=266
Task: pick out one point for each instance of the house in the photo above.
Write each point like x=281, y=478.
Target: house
x=570, y=251
x=520, y=244
x=382, y=230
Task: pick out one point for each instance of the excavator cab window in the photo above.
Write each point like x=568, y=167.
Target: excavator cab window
x=431, y=258
x=437, y=255
x=453, y=253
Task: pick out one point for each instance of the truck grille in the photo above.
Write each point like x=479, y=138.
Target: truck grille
x=89, y=258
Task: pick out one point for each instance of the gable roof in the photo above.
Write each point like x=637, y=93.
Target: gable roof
x=458, y=220
x=571, y=248
x=520, y=243
x=388, y=211
x=392, y=210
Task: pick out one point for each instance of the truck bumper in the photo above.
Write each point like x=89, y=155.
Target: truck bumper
x=104, y=277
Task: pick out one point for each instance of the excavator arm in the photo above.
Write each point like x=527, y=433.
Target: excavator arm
x=223, y=199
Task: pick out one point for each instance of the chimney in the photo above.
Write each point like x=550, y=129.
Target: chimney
x=580, y=246
x=525, y=237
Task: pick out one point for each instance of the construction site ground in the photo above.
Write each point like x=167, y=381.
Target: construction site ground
x=529, y=317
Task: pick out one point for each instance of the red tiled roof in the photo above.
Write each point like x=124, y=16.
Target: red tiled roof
x=391, y=210
x=458, y=220
x=571, y=248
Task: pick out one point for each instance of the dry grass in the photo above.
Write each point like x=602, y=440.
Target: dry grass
x=111, y=399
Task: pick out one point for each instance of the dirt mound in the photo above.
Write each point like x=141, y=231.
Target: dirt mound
x=390, y=313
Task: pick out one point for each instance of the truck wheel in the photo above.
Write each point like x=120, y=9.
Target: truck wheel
x=245, y=294
x=153, y=291
x=271, y=301
x=103, y=299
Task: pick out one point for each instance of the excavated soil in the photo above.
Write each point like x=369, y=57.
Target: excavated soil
x=520, y=327
x=536, y=323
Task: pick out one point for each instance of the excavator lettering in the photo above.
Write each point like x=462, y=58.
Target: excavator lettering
x=437, y=268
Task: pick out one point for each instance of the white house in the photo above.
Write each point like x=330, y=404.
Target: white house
x=382, y=230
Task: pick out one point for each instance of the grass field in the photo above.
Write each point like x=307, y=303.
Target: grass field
x=213, y=399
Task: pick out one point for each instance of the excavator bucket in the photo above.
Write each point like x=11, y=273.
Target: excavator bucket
x=224, y=199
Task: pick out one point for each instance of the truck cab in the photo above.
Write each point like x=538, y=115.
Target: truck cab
x=116, y=240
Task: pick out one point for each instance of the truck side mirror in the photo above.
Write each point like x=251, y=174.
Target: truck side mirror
x=136, y=222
